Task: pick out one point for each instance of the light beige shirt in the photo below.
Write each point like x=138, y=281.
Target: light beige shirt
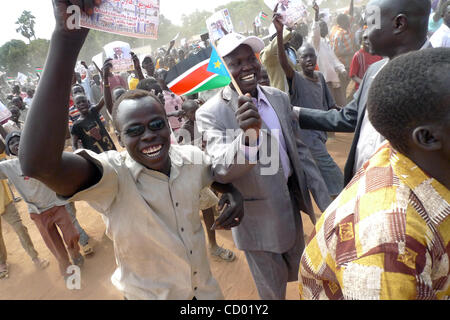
x=37, y=196
x=154, y=221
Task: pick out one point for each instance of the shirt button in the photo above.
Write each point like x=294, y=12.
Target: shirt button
x=182, y=229
x=195, y=272
x=191, y=251
x=176, y=204
x=195, y=289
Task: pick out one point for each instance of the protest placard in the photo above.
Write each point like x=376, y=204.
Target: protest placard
x=98, y=59
x=133, y=18
x=5, y=114
x=119, y=52
x=292, y=11
x=219, y=24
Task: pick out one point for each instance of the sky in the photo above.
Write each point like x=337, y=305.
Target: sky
x=43, y=11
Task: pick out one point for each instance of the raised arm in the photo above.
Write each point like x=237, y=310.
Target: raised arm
x=137, y=66
x=288, y=70
x=46, y=124
x=99, y=105
x=106, y=72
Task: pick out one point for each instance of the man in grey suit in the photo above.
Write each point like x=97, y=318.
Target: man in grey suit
x=279, y=171
x=399, y=26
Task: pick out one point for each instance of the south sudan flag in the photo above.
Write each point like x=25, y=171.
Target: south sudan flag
x=263, y=16
x=191, y=76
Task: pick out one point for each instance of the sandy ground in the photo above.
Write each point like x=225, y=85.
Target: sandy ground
x=25, y=282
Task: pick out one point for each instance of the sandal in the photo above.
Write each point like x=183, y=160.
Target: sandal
x=4, y=272
x=87, y=249
x=40, y=263
x=222, y=254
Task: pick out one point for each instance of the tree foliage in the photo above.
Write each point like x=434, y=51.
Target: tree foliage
x=14, y=56
x=26, y=24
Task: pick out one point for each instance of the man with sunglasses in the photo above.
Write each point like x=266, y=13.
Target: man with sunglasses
x=148, y=194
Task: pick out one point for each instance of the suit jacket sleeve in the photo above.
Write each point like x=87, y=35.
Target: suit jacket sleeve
x=333, y=120
x=223, y=146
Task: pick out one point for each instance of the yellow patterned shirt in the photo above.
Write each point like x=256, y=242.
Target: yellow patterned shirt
x=385, y=237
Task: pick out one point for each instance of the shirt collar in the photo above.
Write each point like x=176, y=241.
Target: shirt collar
x=411, y=175
x=136, y=168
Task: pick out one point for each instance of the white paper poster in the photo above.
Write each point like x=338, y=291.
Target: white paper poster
x=119, y=51
x=291, y=10
x=5, y=114
x=98, y=59
x=219, y=24
x=133, y=18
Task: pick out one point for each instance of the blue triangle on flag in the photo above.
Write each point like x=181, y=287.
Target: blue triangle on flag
x=216, y=64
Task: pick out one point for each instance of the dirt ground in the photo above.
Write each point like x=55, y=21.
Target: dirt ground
x=25, y=282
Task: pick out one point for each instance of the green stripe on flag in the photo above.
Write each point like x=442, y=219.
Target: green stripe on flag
x=214, y=83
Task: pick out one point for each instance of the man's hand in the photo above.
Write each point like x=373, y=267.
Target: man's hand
x=248, y=118
x=66, y=22
x=231, y=205
x=315, y=7
x=277, y=22
x=106, y=69
x=316, y=11
x=136, y=62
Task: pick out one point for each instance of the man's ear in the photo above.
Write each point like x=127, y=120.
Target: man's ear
x=427, y=138
x=400, y=24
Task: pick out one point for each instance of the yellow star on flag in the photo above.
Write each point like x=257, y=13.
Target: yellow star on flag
x=217, y=64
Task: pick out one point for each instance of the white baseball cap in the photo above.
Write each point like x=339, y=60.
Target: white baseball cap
x=233, y=40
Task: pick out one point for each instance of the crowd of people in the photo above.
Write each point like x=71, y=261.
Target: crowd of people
x=149, y=161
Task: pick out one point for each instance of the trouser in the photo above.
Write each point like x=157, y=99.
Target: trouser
x=338, y=95
x=47, y=223
x=84, y=238
x=272, y=271
x=331, y=173
x=11, y=215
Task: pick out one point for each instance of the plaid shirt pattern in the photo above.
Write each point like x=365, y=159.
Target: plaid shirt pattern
x=385, y=237
x=342, y=40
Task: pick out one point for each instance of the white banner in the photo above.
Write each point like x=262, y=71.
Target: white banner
x=133, y=18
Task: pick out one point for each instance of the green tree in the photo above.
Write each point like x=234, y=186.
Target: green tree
x=26, y=25
x=37, y=52
x=14, y=57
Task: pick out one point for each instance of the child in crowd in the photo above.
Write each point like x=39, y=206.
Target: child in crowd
x=89, y=129
x=149, y=194
x=310, y=90
x=9, y=213
x=46, y=210
x=362, y=61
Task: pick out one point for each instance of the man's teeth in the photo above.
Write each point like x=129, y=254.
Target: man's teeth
x=248, y=78
x=152, y=150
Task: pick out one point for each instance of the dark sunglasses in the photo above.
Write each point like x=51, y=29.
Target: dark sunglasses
x=139, y=129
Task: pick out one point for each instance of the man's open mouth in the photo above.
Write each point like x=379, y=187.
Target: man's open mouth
x=153, y=151
x=248, y=78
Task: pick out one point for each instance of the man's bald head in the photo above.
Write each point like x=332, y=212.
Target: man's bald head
x=397, y=26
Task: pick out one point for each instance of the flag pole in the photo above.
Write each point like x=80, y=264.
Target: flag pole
x=236, y=86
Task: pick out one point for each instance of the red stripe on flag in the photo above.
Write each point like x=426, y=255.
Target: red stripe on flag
x=191, y=80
